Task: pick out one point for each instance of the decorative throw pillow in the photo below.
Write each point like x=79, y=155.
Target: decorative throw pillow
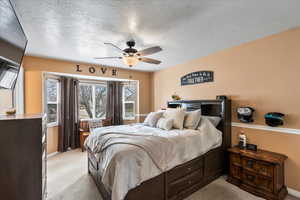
x=165, y=123
x=177, y=115
x=214, y=120
x=152, y=118
x=192, y=119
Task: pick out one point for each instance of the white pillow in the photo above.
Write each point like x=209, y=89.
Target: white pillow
x=152, y=118
x=165, y=123
x=192, y=119
x=177, y=115
x=214, y=120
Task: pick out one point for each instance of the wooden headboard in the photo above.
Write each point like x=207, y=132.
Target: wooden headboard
x=220, y=108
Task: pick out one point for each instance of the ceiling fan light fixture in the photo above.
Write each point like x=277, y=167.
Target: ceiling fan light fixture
x=130, y=60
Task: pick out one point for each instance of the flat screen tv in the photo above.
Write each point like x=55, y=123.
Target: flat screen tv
x=13, y=43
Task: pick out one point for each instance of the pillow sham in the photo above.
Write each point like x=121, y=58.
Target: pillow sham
x=177, y=115
x=164, y=123
x=192, y=119
x=152, y=118
x=214, y=120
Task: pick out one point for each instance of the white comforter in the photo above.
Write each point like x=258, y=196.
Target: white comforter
x=125, y=166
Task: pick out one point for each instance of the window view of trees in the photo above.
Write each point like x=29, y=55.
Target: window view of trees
x=100, y=100
x=52, y=87
x=92, y=98
x=129, y=100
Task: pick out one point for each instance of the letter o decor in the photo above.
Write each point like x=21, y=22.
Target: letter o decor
x=92, y=70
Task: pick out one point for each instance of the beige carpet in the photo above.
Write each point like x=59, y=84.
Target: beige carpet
x=68, y=180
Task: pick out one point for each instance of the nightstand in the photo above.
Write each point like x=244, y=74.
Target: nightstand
x=83, y=136
x=258, y=172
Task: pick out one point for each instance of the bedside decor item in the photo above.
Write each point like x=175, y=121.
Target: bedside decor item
x=197, y=78
x=242, y=140
x=11, y=111
x=258, y=172
x=175, y=97
x=221, y=97
x=274, y=119
x=245, y=114
x=251, y=147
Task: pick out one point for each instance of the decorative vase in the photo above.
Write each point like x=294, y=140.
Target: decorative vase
x=175, y=97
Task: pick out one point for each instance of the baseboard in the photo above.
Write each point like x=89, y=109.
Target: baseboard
x=293, y=192
x=52, y=154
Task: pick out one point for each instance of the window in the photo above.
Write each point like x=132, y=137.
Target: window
x=129, y=101
x=92, y=98
x=52, y=93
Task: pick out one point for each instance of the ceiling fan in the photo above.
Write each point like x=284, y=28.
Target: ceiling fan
x=131, y=56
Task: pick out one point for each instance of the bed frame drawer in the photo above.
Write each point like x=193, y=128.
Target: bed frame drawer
x=186, y=182
x=185, y=169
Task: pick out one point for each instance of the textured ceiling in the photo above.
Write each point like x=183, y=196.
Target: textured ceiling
x=185, y=29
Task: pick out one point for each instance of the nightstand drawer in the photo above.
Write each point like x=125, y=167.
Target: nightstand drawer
x=264, y=183
x=249, y=178
x=235, y=171
x=235, y=159
x=264, y=168
x=248, y=163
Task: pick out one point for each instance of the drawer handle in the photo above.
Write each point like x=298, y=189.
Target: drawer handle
x=189, y=168
x=263, y=169
x=249, y=163
x=250, y=177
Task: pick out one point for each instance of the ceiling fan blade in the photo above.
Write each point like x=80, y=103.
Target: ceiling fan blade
x=149, y=51
x=99, y=58
x=150, y=60
x=115, y=46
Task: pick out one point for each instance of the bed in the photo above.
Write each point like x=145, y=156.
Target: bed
x=175, y=181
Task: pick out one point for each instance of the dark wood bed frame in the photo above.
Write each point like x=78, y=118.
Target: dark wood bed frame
x=183, y=180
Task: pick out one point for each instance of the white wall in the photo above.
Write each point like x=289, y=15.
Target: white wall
x=5, y=100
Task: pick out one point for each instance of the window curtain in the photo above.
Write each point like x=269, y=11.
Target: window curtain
x=114, y=102
x=69, y=122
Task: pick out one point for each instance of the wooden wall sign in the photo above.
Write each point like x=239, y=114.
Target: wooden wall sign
x=197, y=78
x=101, y=69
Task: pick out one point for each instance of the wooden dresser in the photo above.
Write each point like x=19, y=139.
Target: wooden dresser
x=23, y=155
x=258, y=172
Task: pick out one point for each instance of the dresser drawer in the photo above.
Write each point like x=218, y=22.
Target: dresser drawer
x=264, y=168
x=181, y=184
x=235, y=159
x=185, y=169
